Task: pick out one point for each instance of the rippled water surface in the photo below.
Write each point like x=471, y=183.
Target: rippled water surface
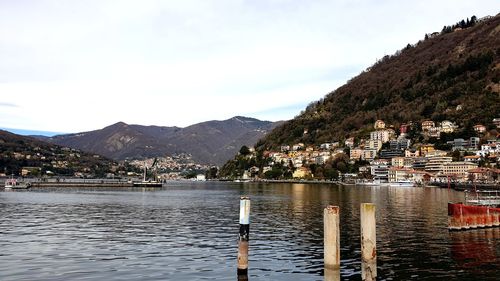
x=189, y=231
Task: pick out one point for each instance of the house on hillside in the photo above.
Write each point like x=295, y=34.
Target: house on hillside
x=382, y=135
x=302, y=173
x=448, y=127
x=349, y=142
x=379, y=124
x=427, y=124
x=496, y=122
x=479, y=128
x=355, y=153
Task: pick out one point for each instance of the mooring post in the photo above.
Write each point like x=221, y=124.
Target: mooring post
x=368, y=242
x=331, y=237
x=244, y=236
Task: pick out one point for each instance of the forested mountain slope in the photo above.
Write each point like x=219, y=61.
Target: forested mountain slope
x=451, y=75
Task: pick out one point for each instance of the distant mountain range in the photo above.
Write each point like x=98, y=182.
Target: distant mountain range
x=211, y=142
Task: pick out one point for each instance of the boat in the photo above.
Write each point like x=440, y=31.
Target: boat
x=374, y=182
x=15, y=184
x=480, y=209
x=402, y=184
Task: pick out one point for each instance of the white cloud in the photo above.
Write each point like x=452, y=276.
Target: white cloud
x=73, y=66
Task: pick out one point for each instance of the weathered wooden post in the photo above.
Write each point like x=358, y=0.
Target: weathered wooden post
x=244, y=236
x=331, y=237
x=368, y=242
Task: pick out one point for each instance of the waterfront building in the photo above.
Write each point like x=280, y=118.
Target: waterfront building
x=397, y=174
x=302, y=172
x=435, y=164
x=419, y=163
x=380, y=171
x=458, y=170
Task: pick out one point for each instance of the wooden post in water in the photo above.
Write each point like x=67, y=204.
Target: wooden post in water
x=331, y=237
x=244, y=236
x=331, y=243
x=368, y=242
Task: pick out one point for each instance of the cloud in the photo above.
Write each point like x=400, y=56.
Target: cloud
x=74, y=66
x=6, y=104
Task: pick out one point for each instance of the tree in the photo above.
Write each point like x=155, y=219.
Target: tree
x=244, y=150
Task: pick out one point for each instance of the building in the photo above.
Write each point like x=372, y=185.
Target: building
x=391, y=153
x=458, y=144
x=448, y=127
x=403, y=129
x=412, y=153
x=398, y=161
x=426, y=125
x=496, y=122
x=349, y=142
x=355, y=153
x=379, y=124
x=479, y=128
x=329, y=145
x=382, y=135
x=458, y=170
x=435, y=164
x=400, y=143
x=472, y=158
x=380, y=171
x=285, y=148
x=484, y=175
x=301, y=173
x=369, y=154
x=489, y=148
x=419, y=163
x=374, y=144
x=426, y=149
x=473, y=143
x=298, y=146
x=434, y=132
x=406, y=162
x=396, y=174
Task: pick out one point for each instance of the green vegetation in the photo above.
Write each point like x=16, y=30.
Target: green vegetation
x=40, y=159
x=453, y=76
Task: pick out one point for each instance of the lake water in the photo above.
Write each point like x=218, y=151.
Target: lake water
x=189, y=231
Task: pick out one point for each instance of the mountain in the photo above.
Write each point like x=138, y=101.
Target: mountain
x=211, y=142
x=41, y=158
x=450, y=75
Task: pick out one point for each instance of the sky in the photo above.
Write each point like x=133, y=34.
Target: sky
x=74, y=66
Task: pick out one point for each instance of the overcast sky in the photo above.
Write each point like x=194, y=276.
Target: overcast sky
x=72, y=66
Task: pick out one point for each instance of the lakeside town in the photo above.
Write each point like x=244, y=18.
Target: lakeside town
x=415, y=153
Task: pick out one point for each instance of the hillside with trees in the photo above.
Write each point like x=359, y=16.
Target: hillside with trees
x=452, y=75
x=38, y=158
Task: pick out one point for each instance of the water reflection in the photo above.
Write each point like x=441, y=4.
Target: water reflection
x=189, y=231
x=476, y=248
